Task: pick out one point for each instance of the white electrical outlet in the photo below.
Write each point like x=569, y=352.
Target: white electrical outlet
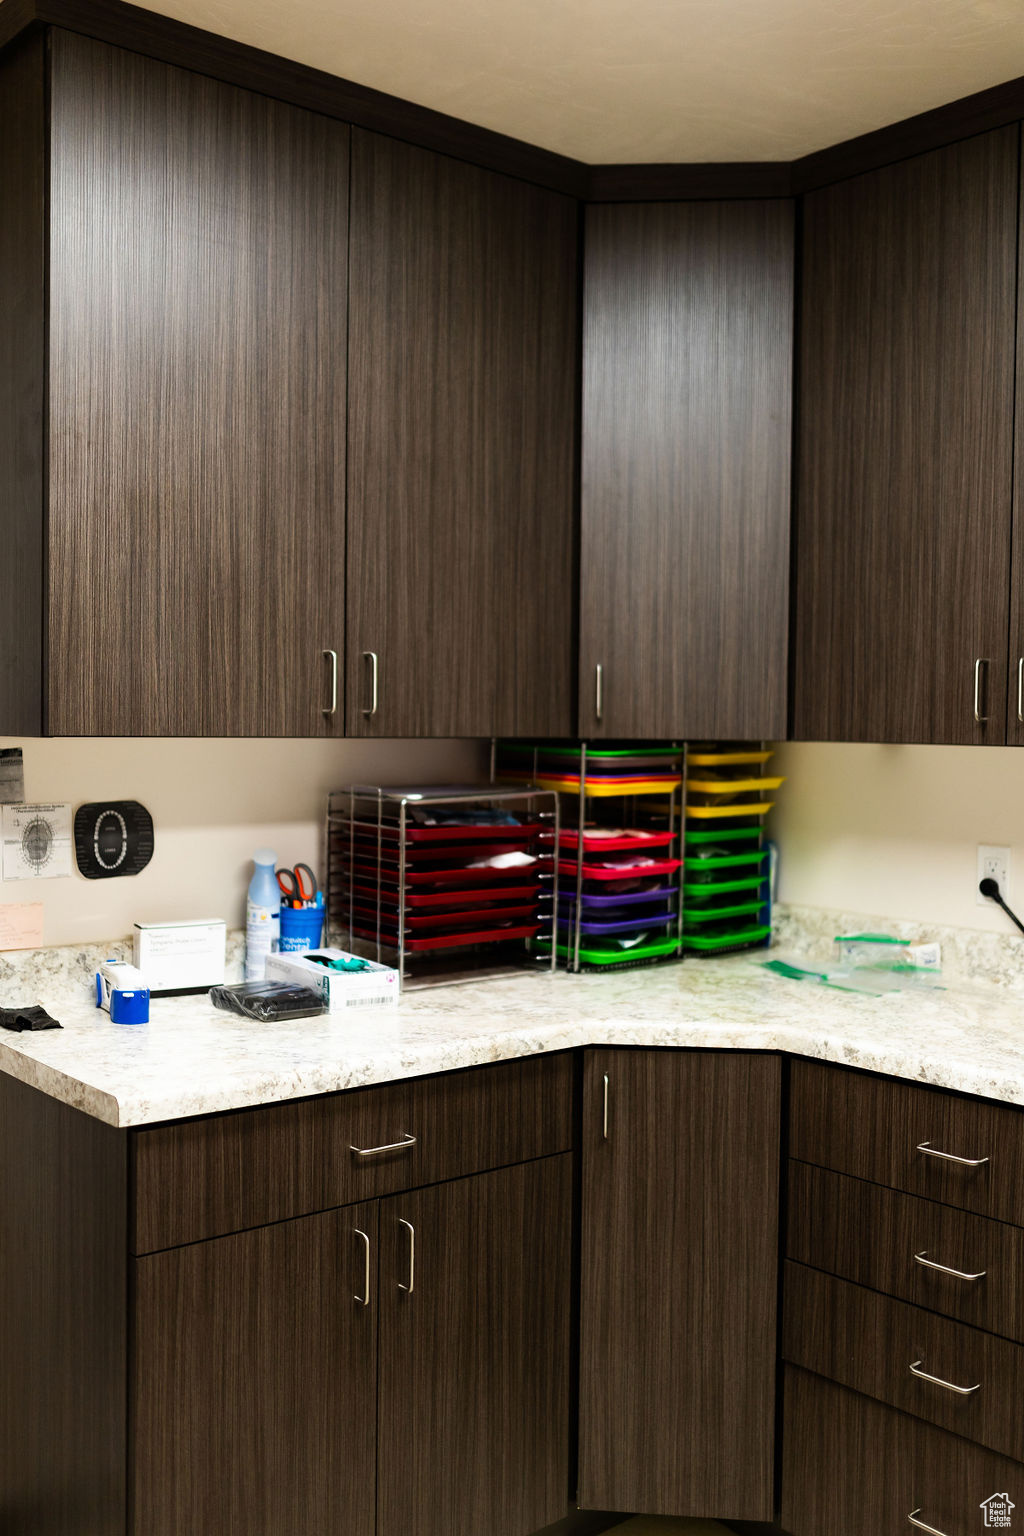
x=993, y=864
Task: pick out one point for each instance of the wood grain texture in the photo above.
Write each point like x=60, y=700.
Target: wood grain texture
x=1015, y=667
x=997, y=107
x=22, y=387
x=852, y=1467
x=687, y=378
x=224, y=58
x=16, y=18
x=868, y=1234
x=868, y=1342
x=63, y=1323
x=905, y=449
x=674, y=183
x=201, y=1178
x=462, y=388
x=197, y=396
x=254, y=1383
x=474, y=1363
x=871, y=1127
x=678, y=1283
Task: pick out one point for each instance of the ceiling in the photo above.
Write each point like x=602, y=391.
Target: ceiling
x=647, y=80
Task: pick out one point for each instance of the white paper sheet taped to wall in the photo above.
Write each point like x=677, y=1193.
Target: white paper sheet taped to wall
x=36, y=842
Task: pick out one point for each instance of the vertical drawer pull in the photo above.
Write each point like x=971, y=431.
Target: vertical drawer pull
x=598, y=692
x=391, y=1146
x=332, y=708
x=372, y=658
x=944, y=1269
x=950, y=1157
x=1020, y=689
x=604, y=1126
x=937, y=1381
x=412, y=1257
x=931, y=1529
x=979, y=717
x=364, y=1299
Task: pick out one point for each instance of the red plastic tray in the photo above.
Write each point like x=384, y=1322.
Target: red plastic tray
x=634, y=840
x=434, y=920
x=620, y=871
x=443, y=899
x=454, y=940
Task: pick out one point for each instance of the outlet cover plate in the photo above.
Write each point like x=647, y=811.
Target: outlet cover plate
x=993, y=864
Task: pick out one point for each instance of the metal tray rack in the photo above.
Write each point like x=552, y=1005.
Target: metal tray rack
x=606, y=919
x=410, y=883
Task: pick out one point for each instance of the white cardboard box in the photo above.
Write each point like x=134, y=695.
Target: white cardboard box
x=377, y=987
x=186, y=955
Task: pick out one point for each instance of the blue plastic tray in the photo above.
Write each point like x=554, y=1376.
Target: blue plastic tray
x=631, y=898
x=632, y=925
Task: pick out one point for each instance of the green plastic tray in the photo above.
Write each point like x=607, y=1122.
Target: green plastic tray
x=733, y=940
x=716, y=914
x=694, y=836
x=724, y=860
x=707, y=888
x=609, y=957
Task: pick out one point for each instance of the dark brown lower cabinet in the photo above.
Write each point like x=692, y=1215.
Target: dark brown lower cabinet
x=678, y=1282
x=474, y=1354
x=854, y=1467
x=253, y=1383
x=303, y=1378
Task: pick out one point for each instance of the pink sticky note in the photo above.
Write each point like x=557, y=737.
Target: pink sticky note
x=21, y=925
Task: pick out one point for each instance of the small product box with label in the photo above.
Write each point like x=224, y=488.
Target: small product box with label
x=181, y=957
x=122, y=992
x=341, y=979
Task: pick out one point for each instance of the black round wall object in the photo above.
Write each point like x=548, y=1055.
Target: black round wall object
x=113, y=838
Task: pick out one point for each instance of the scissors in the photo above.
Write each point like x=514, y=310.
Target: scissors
x=294, y=888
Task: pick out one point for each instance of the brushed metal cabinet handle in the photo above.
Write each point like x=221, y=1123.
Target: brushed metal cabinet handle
x=944, y=1269
x=332, y=657
x=979, y=717
x=950, y=1157
x=371, y=657
x=391, y=1146
x=598, y=691
x=932, y=1530
x=1020, y=689
x=412, y=1257
x=604, y=1116
x=364, y=1299
x=937, y=1381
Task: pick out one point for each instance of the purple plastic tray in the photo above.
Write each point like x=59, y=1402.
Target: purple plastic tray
x=629, y=899
x=632, y=925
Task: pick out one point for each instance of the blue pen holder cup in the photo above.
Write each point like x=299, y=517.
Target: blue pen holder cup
x=301, y=927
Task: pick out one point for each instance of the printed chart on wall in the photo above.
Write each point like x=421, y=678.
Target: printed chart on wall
x=36, y=842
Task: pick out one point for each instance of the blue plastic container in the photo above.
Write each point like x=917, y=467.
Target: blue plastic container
x=301, y=927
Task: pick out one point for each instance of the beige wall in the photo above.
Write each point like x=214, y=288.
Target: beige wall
x=212, y=803
x=894, y=831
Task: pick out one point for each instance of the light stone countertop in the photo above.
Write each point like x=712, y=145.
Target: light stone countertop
x=192, y=1059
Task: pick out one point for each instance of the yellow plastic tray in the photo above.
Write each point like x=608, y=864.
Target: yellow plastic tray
x=731, y=786
x=706, y=811
x=726, y=759
x=597, y=790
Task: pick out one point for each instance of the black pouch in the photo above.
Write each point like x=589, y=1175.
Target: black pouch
x=27, y=1018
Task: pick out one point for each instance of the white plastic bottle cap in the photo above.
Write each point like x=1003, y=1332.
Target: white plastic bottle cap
x=264, y=856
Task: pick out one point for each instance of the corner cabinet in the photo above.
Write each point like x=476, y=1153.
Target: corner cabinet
x=687, y=386
x=904, y=504
x=462, y=429
x=192, y=471
x=678, y=1282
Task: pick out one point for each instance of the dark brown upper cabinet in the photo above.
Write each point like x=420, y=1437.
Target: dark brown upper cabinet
x=181, y=527
x=687, y=380
x=462, y=388
x=906, y=384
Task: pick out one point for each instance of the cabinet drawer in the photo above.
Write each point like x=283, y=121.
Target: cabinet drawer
x=852, y=1467
x=869, y=1343
x=203, y=1178
x=874, y=1127
x=873, y=1235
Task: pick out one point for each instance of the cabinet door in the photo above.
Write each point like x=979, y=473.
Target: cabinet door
x=687, y=384
x=197, y=403
x=474, y=1354
x=679, y=1283
x=254, y=1382
x=905, y=449
x=462, y=385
